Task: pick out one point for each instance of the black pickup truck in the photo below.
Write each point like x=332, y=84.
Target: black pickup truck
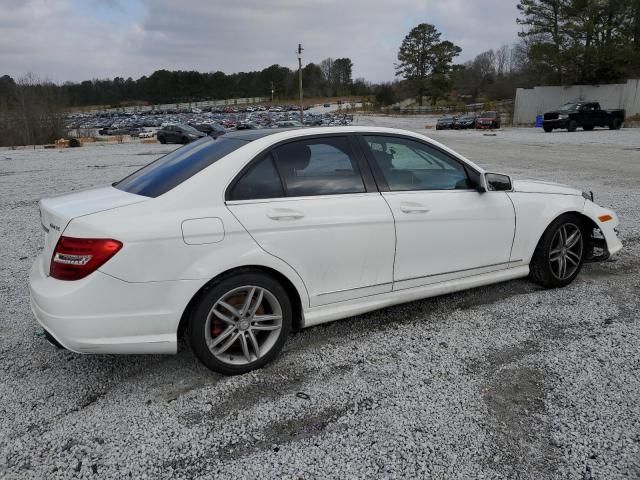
x=582, y=114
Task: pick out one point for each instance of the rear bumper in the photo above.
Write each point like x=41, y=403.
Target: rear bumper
x=102, y=314
x=487, y=126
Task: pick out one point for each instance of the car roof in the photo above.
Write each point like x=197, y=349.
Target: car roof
x=295, y=132
x=251, y=135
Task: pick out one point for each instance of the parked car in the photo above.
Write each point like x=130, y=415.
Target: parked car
x=147, y=134
x=178, y=134
x=135, y=131
x=445, y=123
x=213, y=129
x=246, y=126
x=465, y=121
x=587, y=115
x=289, y=124
x=114, y=131
x=106, y=131
x=488, y=120
x=234, y=241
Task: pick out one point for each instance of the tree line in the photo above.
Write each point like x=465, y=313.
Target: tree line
x=331, y=77
x=562, y=42
x=581, y=41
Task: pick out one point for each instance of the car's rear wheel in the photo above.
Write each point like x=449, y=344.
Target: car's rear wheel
x=573, y=126
x=616, y=124
x=240, y=323
x=559, y=256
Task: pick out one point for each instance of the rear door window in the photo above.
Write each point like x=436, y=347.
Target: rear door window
x=174, y=168
x=260, y=181
x=318, y=166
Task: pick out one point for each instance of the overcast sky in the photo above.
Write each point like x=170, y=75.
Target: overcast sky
x=84, y=39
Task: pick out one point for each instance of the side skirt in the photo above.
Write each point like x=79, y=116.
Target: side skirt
x=336, y=311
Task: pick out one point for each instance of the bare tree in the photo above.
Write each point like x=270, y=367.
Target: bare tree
x=502, y=60
x=484, y=63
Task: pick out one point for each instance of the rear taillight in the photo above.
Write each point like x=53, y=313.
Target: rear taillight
x=75, y=258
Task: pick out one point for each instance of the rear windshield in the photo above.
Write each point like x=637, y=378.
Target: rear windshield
x=174, y=168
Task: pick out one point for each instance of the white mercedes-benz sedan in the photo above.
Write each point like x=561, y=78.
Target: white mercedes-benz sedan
x=234, y=241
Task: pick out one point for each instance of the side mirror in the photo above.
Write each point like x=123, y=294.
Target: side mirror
x=496, y=182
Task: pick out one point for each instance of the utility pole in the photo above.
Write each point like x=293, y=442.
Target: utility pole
x=300, y=81
x=271, y=92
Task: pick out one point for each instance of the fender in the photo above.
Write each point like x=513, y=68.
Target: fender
x=534, y=213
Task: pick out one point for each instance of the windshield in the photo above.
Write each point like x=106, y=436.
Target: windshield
x=488, y=114
x=174, y=168
x=570, y=107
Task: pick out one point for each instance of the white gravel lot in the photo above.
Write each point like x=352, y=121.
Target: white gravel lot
x=507, y=381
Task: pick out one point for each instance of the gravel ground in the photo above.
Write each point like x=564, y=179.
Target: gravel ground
x=507, y=381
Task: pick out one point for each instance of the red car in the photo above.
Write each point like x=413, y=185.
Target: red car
x=488, y=120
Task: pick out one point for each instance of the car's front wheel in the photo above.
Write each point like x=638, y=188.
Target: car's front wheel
x=240, y=323
x=559, y=255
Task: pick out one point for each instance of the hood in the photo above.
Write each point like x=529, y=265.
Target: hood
x=529, y=185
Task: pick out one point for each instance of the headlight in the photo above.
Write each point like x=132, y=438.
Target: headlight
x=562, y=116
x=588, y=195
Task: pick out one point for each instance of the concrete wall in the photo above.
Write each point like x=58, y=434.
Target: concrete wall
x=535, y=101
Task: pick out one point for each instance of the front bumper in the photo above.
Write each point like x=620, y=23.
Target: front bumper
x=610, y=242
x=102, y=314
x=557, y=123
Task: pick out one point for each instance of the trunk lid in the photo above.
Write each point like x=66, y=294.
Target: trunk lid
x=57, y=212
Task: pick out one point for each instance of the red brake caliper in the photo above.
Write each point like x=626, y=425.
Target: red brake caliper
x=216, y=327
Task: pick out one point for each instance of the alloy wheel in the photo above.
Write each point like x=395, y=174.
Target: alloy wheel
x=565, y=254
x=243, y=325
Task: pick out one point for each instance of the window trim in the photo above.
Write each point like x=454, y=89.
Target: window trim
x=383, y=186
x=358, y=155
x=271, y=157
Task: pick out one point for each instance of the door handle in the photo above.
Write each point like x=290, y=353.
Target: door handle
x=284, y=214
x=411, y=207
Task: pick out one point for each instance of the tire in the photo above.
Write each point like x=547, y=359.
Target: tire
x=162, y=140
x=252, y=343
x=616, y=124
x=573, y=126
x=548, y=129
x=587, y=128
x=553, y=251
x=185, y=140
